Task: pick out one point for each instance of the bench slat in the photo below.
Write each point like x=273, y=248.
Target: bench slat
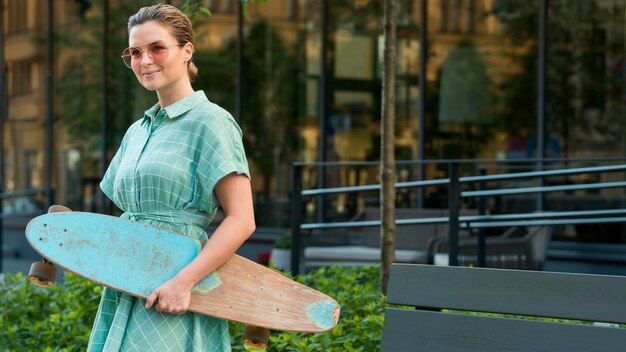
x=560, y=295
x=406, y=330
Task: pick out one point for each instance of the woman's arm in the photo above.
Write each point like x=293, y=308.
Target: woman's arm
x=235, y=195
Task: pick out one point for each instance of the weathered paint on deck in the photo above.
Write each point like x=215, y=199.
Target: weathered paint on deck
x=116, y=253
x=323, y=314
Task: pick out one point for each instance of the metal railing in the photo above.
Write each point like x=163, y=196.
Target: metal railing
x=454, y=184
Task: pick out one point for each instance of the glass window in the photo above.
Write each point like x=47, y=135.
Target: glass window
x=18, y=16
x=585, y=95
x=354, y=55
x=481, y=78
x=20, y=78
x=585, y=104
x=228, y=7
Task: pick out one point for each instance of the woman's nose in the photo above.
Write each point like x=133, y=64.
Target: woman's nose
x=146, y=56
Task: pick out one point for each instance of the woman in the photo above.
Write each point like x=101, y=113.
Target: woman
x=173, y=168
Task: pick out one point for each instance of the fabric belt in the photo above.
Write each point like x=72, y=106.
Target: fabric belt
x=173, y=217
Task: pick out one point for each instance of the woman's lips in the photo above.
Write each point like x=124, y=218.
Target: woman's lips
x=149, y=73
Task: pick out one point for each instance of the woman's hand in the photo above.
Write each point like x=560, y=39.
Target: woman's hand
x=235, y=195
x=172, y=297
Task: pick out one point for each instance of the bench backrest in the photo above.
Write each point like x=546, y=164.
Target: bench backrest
x=430, y=289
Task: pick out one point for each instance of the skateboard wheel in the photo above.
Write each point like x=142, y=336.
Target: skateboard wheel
x=255, y=338
x=42, y=274
x=58, y=209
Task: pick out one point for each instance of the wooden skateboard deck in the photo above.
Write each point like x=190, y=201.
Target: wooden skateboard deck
x=135, y=258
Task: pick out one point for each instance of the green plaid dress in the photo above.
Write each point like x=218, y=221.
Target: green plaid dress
x=163, y=174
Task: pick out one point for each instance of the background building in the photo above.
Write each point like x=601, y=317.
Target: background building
x=474, y=93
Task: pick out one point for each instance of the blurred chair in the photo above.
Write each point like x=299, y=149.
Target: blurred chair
x=363, y=244
x=516, y=248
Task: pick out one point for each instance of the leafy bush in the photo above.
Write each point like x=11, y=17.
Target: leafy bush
x=60, y=318
x=357, y=290
x=284, y=242
x=54, y=319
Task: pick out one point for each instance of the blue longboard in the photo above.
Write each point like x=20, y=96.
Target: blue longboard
x=135, y=258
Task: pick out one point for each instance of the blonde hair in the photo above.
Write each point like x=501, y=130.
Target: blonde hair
x=181, y=27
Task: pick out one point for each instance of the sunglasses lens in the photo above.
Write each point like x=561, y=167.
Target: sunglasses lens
x=158, y=51
x=127, y=57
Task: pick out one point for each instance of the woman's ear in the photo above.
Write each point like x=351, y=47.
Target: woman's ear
x=188, y=51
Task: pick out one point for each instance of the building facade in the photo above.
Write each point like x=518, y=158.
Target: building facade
x=306, y=87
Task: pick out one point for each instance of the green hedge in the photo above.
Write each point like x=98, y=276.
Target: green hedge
x=60, y=318
x=54, y=319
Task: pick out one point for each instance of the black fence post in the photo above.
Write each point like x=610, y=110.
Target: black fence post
x=296, y=218
x=50, y=193
x=49, y=123
x=542, y=72
x=423, y=62
x=454, y=193
x=103, y=204
x=323, y=91
x=482, y=210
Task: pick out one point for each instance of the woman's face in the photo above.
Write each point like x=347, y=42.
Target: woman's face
x=158, y=61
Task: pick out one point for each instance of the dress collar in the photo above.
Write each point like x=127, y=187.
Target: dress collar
x=178, y=108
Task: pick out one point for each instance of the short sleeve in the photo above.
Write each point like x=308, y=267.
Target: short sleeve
x=221, y=154
x=107, y=183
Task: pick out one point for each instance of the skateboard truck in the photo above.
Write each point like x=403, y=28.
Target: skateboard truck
x=44, y=273
x=255, y=338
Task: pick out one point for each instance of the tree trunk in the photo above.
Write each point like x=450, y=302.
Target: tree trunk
x=388, y=168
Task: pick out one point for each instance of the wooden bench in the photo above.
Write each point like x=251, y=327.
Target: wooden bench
x=458, y=290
